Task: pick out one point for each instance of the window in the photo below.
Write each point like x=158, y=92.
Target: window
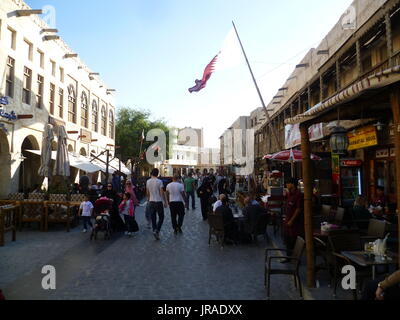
x=28, y=48
x=111, y=124
x=10, y=73
x=61, y=103
x=12, y=34
x=103, y=120
x=53, y=68
x=41, y=58
x=62, y=75
x=39, y=95
x=84, y=110
x=71, y=104
x=26, y=91
x=52, y=97
x=95, y=115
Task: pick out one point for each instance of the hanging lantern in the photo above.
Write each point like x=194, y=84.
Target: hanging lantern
x=339, y=140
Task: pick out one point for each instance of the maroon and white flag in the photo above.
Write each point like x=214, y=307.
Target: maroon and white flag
x=201, y=84
x=229, y=56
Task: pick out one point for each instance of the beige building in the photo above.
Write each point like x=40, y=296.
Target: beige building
x=44, y=78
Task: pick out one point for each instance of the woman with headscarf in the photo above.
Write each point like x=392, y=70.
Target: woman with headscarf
x=205, y=193
x=131, y=189
x=116, y=221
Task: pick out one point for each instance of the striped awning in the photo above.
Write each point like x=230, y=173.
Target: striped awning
x=374, y=81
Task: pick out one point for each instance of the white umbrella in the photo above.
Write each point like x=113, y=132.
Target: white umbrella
x=62, y=167
x=48, y=137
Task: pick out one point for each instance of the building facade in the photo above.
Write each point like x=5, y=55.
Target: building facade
x=43, y=79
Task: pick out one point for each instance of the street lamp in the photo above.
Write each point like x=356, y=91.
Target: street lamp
x=339, y=141
x=22, y=158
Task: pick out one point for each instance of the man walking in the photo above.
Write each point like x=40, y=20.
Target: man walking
x=190, y=186
x=156, y=197
x=176, y=196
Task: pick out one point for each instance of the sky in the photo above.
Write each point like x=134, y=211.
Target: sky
x=152, y=51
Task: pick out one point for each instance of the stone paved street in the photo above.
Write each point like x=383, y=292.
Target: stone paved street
x=180, y=267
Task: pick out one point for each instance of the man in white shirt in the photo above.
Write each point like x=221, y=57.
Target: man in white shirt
x=176, y=196
x=156, y=198
x=218, y=203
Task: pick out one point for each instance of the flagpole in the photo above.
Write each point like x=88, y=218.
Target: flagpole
x=258, y=90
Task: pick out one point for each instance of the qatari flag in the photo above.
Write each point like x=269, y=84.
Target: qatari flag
x=201, y=84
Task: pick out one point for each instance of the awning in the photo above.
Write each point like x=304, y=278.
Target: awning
x=76, y=161
x=374, y=81
x=113, y=164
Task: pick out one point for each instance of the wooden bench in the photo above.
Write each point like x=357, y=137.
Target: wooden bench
x=32, y=211
x=57, y=212
x=8, y=221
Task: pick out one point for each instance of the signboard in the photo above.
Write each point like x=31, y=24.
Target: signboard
x=362, y=138
x=392, y=152
x=86, y=136
x=293, y=136
x=351, y=163
x=383, y=153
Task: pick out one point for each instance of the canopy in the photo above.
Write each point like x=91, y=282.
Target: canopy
x=113, y=164
x=79, y=162
x=290, y=156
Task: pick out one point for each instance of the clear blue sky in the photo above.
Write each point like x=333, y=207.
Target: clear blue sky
x=151, y=51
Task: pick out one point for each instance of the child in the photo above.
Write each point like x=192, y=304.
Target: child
x=126, y=209
x=86, y=209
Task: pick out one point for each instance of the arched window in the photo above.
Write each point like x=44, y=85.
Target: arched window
x=111, y=125
x=71, y=104
x=84, y=110
x=103, y=121
x=95, y=116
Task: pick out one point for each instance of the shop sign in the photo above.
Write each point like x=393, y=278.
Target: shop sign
x=392, y=152
x=293, y=136
x=86, y=136
x=362, y=138
x=4, y=101
x=351, y=163
x=383, y=153
x=9, y=116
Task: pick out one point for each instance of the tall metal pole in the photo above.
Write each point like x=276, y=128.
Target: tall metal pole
x=107, y=165
x=258, y=90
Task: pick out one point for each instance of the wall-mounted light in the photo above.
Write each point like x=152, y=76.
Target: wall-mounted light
x=339, y=141
x=379, y=126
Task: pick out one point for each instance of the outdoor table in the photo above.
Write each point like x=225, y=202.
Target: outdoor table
x=362, y=258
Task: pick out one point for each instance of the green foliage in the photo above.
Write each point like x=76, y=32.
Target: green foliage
x=130, y=124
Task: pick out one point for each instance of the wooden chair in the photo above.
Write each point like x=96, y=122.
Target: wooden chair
x=16, y=196
x=8, y=221
x=339, y=216
x=36, y=197
x=57, y=212
x=58, y=198
x=32, y=211
x=260, y=227
x=376, y=230
x=291, y=269
x=216, y=224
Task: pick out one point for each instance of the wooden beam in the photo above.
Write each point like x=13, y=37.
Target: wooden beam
x=358, y=54
x=24, y=116
x=308, y=193
x=338, y=86
x=389, y=37
x=321, y=88
x=395, y=103
x=25, y=13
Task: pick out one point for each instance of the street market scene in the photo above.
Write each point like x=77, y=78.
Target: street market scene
x=260, y=181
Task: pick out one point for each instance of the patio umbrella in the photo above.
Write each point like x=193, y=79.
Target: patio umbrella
x=45, y=159
x=61, y=167
x=290, y=156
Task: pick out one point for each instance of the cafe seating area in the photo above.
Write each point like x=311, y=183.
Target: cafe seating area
x=40, y=211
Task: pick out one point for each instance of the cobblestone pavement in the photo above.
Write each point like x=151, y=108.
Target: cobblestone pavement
x=182, y=267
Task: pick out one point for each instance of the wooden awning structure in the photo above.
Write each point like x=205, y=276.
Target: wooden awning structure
x=375, y=81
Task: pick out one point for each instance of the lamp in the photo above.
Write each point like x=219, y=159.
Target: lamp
x=339, y=141
x=379, y=126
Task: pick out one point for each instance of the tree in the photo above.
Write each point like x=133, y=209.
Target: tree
x=130, y=124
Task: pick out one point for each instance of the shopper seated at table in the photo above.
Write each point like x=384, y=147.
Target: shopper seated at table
x=230, y=227
x=379, y=202
x=252, y=211
x=388, y=289
x=218, y=203
x=361, y=214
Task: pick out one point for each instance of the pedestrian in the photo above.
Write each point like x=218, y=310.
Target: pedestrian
x=86, y=210
x=177, y=197
x=127, y=210
x=116, y=183
x=205, y=193
x=117, y=223
x=230, y=227
x=190, y=186
x=156, y=197
x=294, y=221
x=131, y=189
x=383, y=289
